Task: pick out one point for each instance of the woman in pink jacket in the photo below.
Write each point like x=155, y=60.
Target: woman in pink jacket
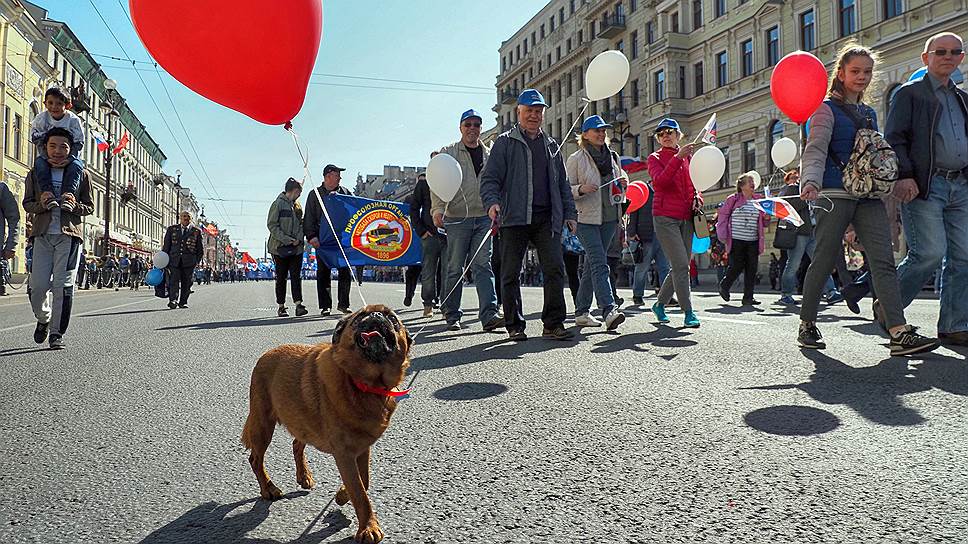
x=675, y=200
x=740, y=226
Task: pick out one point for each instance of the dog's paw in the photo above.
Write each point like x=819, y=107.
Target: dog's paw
x=342, y=496
x=270, y=492
x=306, y=480
x=371, y=534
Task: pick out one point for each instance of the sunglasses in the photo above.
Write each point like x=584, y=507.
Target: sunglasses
x=472, y=125
x=665, y=132
x=945, y=52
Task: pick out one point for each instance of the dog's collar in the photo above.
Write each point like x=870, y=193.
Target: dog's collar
x=379, y=390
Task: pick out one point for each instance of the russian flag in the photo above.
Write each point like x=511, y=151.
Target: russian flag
x=632, y=164
x=101, y=144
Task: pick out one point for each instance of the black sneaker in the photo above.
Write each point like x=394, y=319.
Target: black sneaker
x=557, y=333
x=40, y=333
x=619, y=301
x=324, y=311
x=723, y=292
x=282, y=312
x=345, y=311
x=172, y=304
x=638, y=301
x=751, y=302
x=56, y=342
x=809, y=336
x=517, y=336
x=909, y=342
x=496, y=322
x=301, y=310
x=407, y=301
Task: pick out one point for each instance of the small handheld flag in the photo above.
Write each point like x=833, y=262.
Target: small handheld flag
x=779, y=208
x=709, y=131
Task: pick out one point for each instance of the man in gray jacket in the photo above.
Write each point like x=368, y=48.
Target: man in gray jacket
x=9, y=227
x=525, y=188
x=467, y=226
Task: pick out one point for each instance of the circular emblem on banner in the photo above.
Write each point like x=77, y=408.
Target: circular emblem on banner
x=381, y=235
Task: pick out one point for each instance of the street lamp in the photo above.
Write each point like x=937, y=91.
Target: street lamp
x=621, y=130
x=109, y=110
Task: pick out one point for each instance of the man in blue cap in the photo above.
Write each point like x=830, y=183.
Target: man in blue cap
x=467, y=226
x=525, y=188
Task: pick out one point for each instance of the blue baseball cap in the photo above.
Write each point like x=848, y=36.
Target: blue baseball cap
x=531, y=97
x=470, y=113
x=595, y=121
x=667, y=123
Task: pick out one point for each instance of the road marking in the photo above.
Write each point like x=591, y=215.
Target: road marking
x=708, y=317
x=82, y=314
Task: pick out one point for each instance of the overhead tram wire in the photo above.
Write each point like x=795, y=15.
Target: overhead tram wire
x=155, y=103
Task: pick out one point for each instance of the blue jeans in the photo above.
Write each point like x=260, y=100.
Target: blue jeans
x=71, y=182
x=788, y=281
x=650, y=250
x=936, y=229
x=463, y=239
x=594, y=275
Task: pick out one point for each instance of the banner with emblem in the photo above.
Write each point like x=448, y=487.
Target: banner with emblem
x=370, y=232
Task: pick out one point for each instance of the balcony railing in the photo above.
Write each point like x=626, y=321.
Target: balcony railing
x=509, y=96
x=611, y=26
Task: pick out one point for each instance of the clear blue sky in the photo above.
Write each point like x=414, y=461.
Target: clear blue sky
x=359, y=129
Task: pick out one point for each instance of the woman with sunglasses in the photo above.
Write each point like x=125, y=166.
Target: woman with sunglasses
x=675, y=200
x=833, y=129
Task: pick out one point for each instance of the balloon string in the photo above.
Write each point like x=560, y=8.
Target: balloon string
x=573, y=125
x=329, y=220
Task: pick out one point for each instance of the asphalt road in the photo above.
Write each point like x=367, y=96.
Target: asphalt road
x=728, y=433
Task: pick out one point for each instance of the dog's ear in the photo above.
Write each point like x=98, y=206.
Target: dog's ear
x=340, y=327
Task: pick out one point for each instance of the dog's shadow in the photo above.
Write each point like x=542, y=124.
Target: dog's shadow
x=225, y=524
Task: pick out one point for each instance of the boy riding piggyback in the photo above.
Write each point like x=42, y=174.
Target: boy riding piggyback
x=57, y=114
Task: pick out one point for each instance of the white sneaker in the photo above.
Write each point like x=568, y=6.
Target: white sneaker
x=614, y=319
x=587, y=320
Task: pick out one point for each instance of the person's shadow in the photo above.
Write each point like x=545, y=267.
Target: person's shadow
x=215, y=523
x=875, y=392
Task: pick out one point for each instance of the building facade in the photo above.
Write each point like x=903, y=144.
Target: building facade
x=692, y=58
x=395, y=183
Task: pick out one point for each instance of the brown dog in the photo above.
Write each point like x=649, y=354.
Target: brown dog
x=335, y=397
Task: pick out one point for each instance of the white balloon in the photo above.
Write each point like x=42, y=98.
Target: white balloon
x=606, y=75
x=444, y=176
x=757, y=180
x=160, y=260
x=706, y=167
x=784, y=152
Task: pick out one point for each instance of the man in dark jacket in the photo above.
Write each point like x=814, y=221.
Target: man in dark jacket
x=641, y=231
x=311, y=223
x=525, y=188
x=9, y=230
x=433, y=243
x=927, y=126
x=183, y=244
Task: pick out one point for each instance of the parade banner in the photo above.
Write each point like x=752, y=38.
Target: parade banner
x=371, y=232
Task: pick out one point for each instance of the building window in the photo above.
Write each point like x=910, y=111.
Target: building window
x=848, y=23
x=638, y=146
x=591, y=30
x=696, y=14
x=722, y=69
x=6, y=130
x=551, y=24
x=747, y=49
x=633, y=5
x=561, y=16
x=568, y=87
x=674, y=21
x=892, y=8
x=542, y=31
x=650, y=32
x=539, y=66
x=682, y=82
x=580, y=36
x=526, y=46
x=18, y=128
x=635, y=93
x=635, y=44
x=659, y=87
x=557, y=53
x=808, y=39
x=773, y=46
x=724, y=182
x=698, y=77
x=776, y=132
x=749, y=156
x=517, y=53
x=533, y=41
x=719, y=7
x=619, y=12
x=581, y=77
x=571, y=7
x=568, y=45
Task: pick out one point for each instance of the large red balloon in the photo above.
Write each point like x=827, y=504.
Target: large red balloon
x=637, y=194
x=799, y=85
x=249, y=55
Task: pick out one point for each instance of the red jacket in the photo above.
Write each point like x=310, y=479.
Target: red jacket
x=671, y=185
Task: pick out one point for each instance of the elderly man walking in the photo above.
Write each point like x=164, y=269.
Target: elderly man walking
x=332, y=175
x=467, y=226
x=9, y=230
x=183, y=244
x=525, y=188
x=928, y=128
x=56, y=237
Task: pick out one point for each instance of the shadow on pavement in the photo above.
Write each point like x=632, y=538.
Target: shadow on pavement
x=498, y=349
x=736, y=310
x=252, y=322
x=127, y=312
x=664, y=337
x=216, y=524
x=470, y=391
x=792, y=420
x=874, y=391
x=22, y=351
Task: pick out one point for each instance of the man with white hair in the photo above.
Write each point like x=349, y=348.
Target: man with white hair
x=183, y=244
x=927, y=126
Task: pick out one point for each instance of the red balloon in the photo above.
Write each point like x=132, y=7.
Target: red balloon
x=799, y=85
x=645, y=189
x=248, y=55
x=636, y=197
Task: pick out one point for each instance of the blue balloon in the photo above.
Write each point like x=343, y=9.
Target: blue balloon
x=919, y=73
x=154, y=277
x=700, y=245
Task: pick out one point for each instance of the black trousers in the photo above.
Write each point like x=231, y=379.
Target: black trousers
x=514, y=246
x=571, y=270
x=743, y=257
x=324, y=285
x=496, y=265
x=291, y=267
x=180, y=283
x=411, y=278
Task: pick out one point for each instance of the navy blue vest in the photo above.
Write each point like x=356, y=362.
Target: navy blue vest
x=842, y=142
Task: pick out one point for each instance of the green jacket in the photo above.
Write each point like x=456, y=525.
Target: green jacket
x=285, y=223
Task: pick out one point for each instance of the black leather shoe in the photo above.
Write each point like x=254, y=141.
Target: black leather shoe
x=40, y=333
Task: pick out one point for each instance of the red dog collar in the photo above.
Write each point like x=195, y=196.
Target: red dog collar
x=379, y=390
